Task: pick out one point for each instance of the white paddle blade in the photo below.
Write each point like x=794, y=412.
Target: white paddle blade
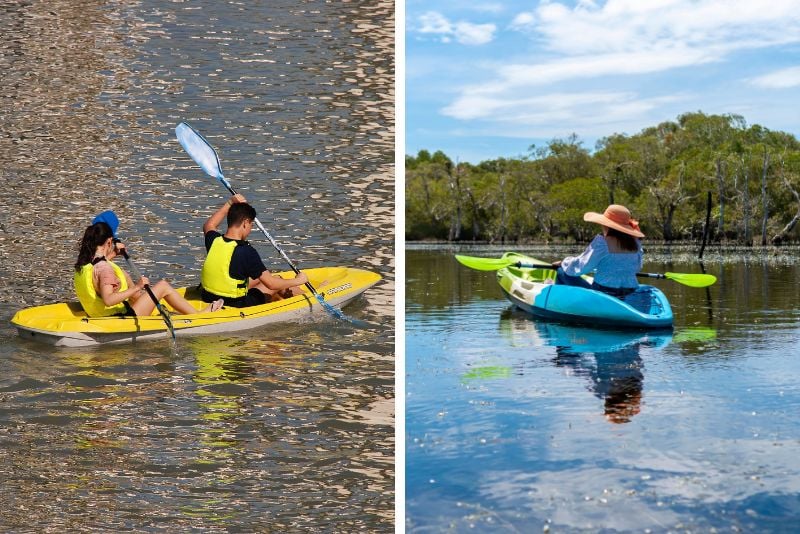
x=199, y=150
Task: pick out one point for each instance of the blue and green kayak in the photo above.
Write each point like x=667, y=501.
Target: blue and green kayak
x=535, y=291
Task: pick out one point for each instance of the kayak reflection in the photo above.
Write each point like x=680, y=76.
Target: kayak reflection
x=610, y=360
x=614, y=376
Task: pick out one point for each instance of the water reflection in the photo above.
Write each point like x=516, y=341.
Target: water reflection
x=242, y=431
x=520, y=442
x=282, y=429
x=609, y=360
x=221, y=378
x=222, y=382
x=615, y=376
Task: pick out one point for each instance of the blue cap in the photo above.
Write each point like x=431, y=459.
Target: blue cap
x=110, y=218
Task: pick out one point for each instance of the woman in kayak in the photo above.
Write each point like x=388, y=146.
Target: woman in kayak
x=104, y=289
x=615, y=256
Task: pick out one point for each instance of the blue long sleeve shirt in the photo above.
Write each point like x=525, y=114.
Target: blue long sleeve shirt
x=611, y=269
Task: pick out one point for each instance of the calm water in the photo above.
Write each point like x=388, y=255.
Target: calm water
x=516, y=425
x=284, y=428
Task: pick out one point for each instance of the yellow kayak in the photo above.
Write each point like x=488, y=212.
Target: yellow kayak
x=66, y=324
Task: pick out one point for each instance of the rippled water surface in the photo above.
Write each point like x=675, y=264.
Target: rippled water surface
x=517, y=425
x=281, y=428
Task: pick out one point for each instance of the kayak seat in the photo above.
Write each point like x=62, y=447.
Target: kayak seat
x=523, y=290
x=643, y=300
x=76, y=309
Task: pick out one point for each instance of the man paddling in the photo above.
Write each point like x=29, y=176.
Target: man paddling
x=233, y=270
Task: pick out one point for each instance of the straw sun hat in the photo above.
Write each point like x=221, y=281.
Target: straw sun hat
x=617, y=217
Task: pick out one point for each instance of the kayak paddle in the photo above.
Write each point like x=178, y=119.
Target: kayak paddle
x=494, y=264
x=206, y=157
x=110, y=218
x=687, y=279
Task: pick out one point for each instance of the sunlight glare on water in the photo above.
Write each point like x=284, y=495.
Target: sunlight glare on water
x=288, y=427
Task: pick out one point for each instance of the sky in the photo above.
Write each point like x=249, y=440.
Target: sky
x=488, y=79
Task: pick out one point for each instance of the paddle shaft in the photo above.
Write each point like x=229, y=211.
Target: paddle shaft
x=551, y=268
x=494, y=264
x=149, y=291
x=653, y=275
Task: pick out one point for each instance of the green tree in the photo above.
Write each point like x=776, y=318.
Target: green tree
x=569, y=200
x=663, y=173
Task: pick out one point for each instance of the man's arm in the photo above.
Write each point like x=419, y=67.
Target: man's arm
x=213, y=222
x=276, y=283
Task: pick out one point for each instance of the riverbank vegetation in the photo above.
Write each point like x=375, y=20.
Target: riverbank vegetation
x=745, y=180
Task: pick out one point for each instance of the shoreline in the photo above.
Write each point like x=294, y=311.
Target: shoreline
x=661, y=252
x=647, y=244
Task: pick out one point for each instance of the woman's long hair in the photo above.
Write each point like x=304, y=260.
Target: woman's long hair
x=626, y=242
x=94, y=236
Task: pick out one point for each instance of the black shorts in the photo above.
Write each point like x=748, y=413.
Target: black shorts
x=254, y=297
x=619, y=292
x=129, y=312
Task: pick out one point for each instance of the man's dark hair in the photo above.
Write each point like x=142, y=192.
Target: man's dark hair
x=239, y=212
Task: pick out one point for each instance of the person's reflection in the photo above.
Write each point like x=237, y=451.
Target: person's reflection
x=614, y=376
x=608, y=359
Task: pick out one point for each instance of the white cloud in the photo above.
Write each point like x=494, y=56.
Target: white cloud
x=545, y=109
x=779, y=79
x=433, y=22
x=628, y=25
x=589, y=66
x=474, y=34
x=616, y=39
x=591, y=115
x=463, y=32
x=523, y=20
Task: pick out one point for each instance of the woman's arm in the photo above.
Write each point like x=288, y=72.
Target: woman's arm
x=111, y=297
x=587, y=261
x=108, y=285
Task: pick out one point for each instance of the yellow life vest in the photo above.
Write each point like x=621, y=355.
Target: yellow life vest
x=215, y=276
x=91, y=301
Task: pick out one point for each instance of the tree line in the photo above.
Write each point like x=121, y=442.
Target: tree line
x=669, y=175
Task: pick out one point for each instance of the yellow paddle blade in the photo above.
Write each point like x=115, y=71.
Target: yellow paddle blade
x=484, y=264
x=692, y=280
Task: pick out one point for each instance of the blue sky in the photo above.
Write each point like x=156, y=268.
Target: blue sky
x=488, y=79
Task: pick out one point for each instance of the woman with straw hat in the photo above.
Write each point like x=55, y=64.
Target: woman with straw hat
x=615, y=256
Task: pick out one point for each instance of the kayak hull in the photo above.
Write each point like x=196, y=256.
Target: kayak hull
x=535, y=291
x=65, y=324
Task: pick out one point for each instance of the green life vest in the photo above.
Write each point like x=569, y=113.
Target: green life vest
x=215, y=276
x=91, y=301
